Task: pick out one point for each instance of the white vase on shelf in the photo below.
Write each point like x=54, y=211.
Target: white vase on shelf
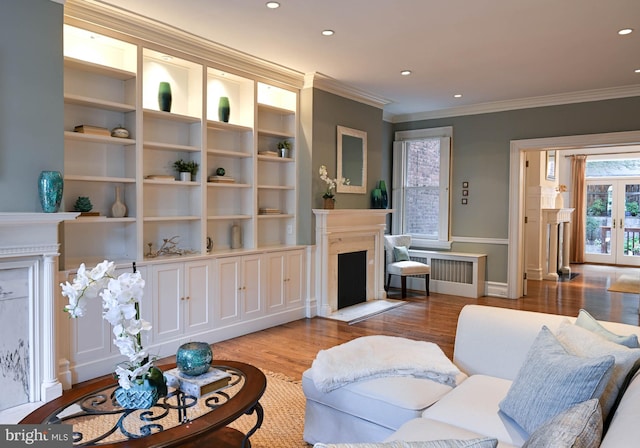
x=118, y=209
x=559, y=201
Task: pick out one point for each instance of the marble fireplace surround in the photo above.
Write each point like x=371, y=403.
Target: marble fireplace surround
x=343, y=231
x=29, y=242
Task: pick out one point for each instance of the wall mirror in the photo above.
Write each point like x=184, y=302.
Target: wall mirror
x=352, y=160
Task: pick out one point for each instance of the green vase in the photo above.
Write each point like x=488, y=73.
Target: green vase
x=376, y=198
x=164, y=97
x=384, y=201
x=224, y=110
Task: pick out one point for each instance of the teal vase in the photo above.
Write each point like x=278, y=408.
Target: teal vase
x=224, y=110
x=384, y=200
x=138, y=396
x=50, y=186
x=164, y=97
x=194, y=358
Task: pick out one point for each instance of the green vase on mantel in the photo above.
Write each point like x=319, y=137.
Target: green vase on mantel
x=164, y=97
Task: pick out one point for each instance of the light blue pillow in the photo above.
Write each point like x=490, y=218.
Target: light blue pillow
x=400, y=253
x=580, y=425
x=586, y=320
x=551, y=381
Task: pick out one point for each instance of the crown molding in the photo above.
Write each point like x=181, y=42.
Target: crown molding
x=62, y=2
x=142, y=28
x=331, y=85
x=524, y=103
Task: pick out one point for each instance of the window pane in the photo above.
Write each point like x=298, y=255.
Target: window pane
x=421, y=211
x=422, y=188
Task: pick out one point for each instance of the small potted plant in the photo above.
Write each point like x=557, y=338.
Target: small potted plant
x=187, y=169
x=284, y=147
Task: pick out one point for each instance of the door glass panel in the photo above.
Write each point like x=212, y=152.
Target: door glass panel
x=598, y=231
x=632, y=220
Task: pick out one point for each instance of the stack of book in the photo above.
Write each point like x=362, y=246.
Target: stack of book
x=199, y=385
x=95, y=130
x=268, y=153
x=268, y=211
x=222, y=179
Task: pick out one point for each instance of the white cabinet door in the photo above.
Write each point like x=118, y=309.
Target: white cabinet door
x=284, y=276
x=181, y=299
x=239, y=288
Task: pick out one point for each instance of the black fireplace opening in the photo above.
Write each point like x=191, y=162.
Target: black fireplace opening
x=352, y=278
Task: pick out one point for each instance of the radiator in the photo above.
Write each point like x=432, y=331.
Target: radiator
x=456, y=273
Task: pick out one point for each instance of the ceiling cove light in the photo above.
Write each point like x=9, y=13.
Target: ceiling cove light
x=328, y=32
x=405, y=72
x=625, y=31
x=273, y=5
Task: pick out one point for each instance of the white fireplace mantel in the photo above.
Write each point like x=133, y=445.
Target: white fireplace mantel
x=30, y=240
x=343, y=231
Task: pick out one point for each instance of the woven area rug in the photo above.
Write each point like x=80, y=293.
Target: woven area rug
x=283, y=404
x=626, y=283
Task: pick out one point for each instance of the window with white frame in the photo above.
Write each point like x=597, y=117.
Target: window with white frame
x=420, y=186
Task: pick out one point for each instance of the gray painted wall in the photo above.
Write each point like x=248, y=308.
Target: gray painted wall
x=481, y=157
x=31, y=109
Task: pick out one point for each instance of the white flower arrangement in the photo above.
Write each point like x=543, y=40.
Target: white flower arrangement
x=331, y=183
x=120, y=301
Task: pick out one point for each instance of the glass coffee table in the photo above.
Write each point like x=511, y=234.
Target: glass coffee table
x=177, y=420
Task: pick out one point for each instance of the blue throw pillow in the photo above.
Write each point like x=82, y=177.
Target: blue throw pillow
x=400, y=253
x=551, y=381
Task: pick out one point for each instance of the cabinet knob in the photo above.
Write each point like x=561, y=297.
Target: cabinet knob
x=187, y=298
x=181, y=298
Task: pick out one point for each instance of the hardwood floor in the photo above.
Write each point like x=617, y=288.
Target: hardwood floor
x=291, y=348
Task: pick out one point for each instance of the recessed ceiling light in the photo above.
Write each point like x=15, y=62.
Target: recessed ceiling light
x=625, y=31
x=273, y=5
x=328, y=32
x=637, y=70
x=458, y=95
x=405, y=72
x=166, y=57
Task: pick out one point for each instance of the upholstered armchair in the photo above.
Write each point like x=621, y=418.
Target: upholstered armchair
x=399, y=263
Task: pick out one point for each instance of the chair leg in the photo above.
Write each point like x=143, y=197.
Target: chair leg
x=426, y=281
x=404, y=286
x=386, y=285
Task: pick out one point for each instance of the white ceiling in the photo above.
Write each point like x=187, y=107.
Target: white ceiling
x=494, y=52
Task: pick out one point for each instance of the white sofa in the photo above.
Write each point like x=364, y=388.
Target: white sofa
x=491, y=346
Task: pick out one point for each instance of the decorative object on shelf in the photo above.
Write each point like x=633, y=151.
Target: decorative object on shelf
x=331, y=186
x=284, y=147
x=50, y=187
x=376, y=198
x=559, y=199
x=236, y=236
x=119, y=132
x=118, y=209
x=385, y=197
x=194, y=358
x=83, y=204
x=169, y=247
x=220, y=171
x=187, y=169
x=164, y=97
x=224, y=109
x=209, y=244
x=121, y=303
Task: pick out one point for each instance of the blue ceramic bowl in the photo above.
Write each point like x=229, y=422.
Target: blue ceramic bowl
x=194, y=358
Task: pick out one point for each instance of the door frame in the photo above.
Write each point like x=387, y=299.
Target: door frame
x=515, y=257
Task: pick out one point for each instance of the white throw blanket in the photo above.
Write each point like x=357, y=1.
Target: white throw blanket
x=370, y=357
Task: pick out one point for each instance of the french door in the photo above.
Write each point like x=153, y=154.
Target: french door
x=612, y=233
